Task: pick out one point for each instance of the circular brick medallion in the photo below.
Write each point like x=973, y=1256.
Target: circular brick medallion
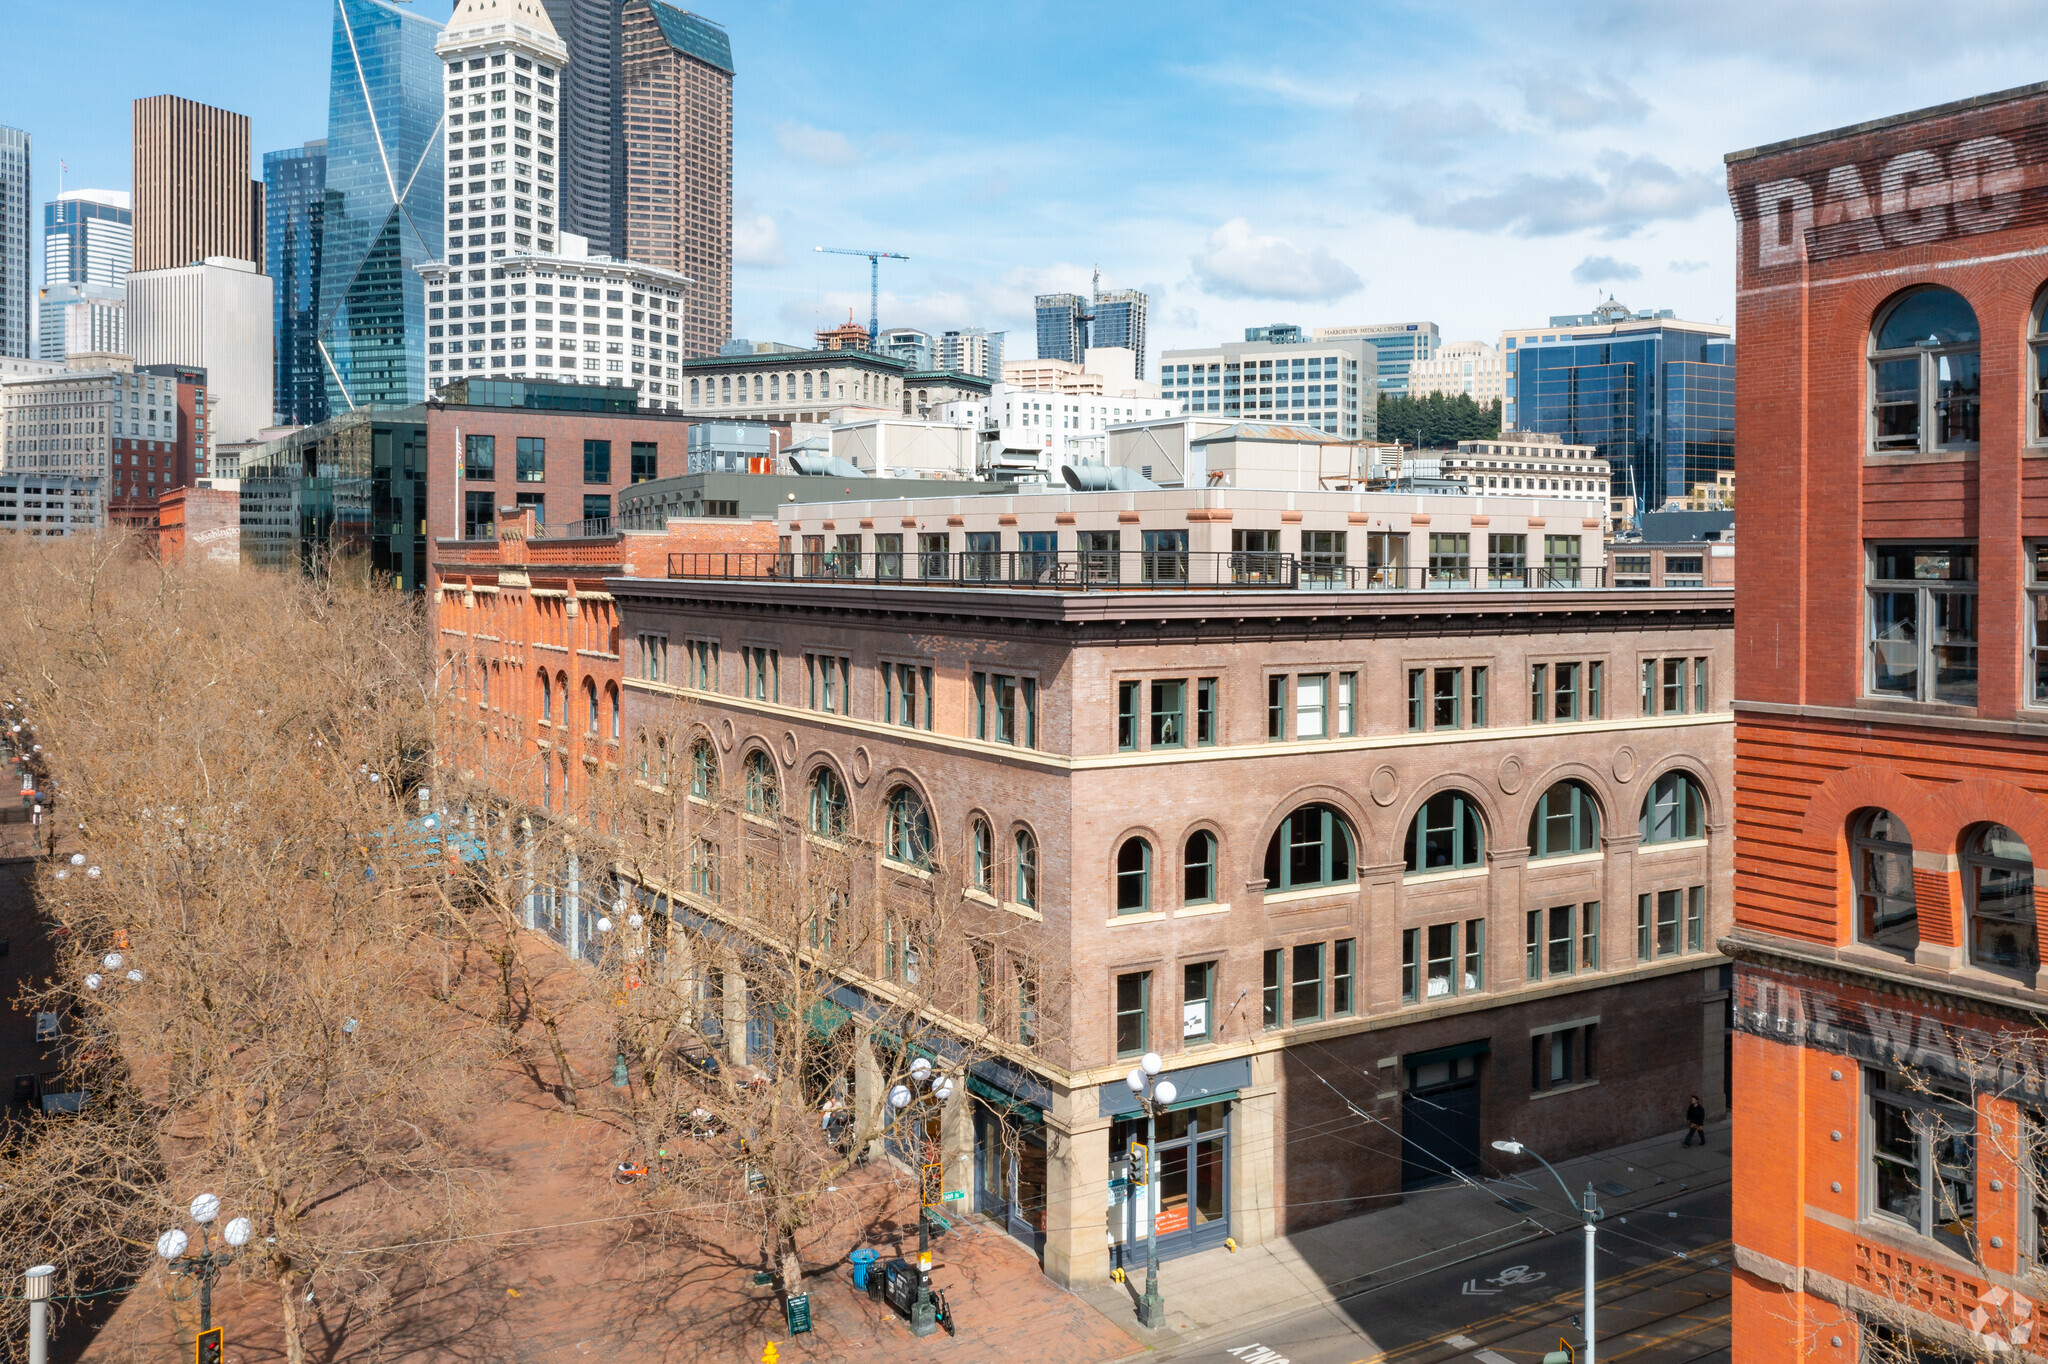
x=726, y=734
x=1511, y=774
x=1385, y=785
x=862, y=766
x=789, y=748
x=1624, y=763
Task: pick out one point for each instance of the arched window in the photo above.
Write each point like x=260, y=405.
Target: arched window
x=611, y=697
x=1198, y=869
x=983, y=855
x=1881, y=853
x=483, y=680
x=1312, y=847
x=1924, y=379
x=761, y=797
x=1027, y=868
x=1446, y=834
x=828, y=804
x=703, y=771
x=590, y=702
x=1565, y=821
x=562, y=686
x=547, y=700
x=2039, y=368
x=910, y=829
x=646, y=768
x=1998, y=878
x=1134, y=876
x=1673, y=808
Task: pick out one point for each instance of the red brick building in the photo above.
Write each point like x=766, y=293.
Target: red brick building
x=205, y=523
x=1892, y=734
x=147, y=467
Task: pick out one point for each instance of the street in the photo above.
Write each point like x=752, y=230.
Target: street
x=1513, y=1305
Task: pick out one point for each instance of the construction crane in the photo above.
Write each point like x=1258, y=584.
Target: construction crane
x=875, y=259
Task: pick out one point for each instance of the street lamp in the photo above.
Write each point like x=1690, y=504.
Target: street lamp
x=1151, y=1307
x=1590, y=1210
x=208, y=1263
x=40, y=1278
x=924, y=1318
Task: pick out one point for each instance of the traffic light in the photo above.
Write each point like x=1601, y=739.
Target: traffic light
x=206, y=1348
x=1563, y=1354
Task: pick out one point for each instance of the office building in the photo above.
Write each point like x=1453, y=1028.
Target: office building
x=381, y=215
x=1034, y=431
x=503, y=61
x=1327, y=385
x=592, y=124
x=1519, y=464
x=1653, y=394
x=1891, y=1155
x=353, y=485
x=675, y=87
x=1279, y=333
x=214, y=317
x=1062, y=327
x=1118, y=321
x=969, y=350
x=294, y=194
x=193, y=195
x=1476, y=900
x=50, y=504
x=1108, y=371
x=517, y=324
x=88, y=238
x=16, y=297
x=1470, y=369
x=63, y=423
x=819, y=386
x=1399, y=345
x=907, y=344
x=164, y=442
x=73, y=319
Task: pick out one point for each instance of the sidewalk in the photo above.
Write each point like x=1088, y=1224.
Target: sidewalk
x=1429, y=1230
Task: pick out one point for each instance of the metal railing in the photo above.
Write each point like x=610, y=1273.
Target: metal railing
x=1127, y=570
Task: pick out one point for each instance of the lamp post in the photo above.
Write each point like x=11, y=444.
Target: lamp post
x=208, y=1263
x=1151, y=1307
x=38, y=1295
x=1589, y=1209
x=925, y=1079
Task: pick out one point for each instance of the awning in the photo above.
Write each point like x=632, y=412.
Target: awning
x=1454, y=1053
x=1008, y=1103
x=826, y=1018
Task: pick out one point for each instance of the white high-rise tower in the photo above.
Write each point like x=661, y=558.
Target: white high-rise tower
x=503, y=65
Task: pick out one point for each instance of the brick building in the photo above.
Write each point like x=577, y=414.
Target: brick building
x=1389, y=848
x=205, y=523
x=1890, y=757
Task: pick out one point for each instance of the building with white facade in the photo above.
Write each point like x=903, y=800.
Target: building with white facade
x=213, y=316
x=1525, y=464
x=494, y=52
x=1029, y=432
x=911, y=346
x=88, y=250
x=569, y=317
x=1109, y=371
x=1331, y=385
x=1398, y=345
x=50, y=504
x=62, y=423
x=1469, y=368
x=970, y=350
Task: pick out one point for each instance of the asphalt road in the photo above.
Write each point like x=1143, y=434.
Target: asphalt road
x=1510, y=1307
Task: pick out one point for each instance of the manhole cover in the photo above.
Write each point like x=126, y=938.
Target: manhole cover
x=1610, y=1187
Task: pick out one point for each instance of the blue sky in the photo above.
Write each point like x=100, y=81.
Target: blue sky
x=1481, y=165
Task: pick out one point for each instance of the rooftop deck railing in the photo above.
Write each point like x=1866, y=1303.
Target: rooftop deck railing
x=1133, y=570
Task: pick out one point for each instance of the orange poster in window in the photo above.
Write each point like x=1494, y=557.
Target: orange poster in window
x=1171, y=1220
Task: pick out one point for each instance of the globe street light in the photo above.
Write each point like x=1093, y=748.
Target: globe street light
x=924, y=1318
x=1151, y=1307
x=208, y=1263
x=1590, y=1210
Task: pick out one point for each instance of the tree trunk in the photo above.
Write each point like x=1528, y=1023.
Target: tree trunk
x=288, y=1293
x=792, y=1263
x=554, y=1035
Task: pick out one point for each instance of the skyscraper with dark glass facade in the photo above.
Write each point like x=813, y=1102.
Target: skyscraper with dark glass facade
x=1062, y=327
x=1654, y=395
x=1120, y=321
x=381, y=210
x=295, y=189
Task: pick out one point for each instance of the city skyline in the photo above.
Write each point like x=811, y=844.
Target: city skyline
x=1613, y=120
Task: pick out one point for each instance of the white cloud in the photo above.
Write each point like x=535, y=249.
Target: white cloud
x=756, y=240
x=1626, y=193
x=1241, y=264
x=1688, y=267
x=1603, y=270
x=1426, y=129
x=818, y=146
x=1567, y=102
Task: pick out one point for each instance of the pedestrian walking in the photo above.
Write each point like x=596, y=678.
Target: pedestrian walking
x=36, y=816
x=1695, y=1122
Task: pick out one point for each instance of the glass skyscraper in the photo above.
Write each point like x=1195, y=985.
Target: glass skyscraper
x=1655, y=397
x=381, y=211
x=294, y=193
x=88, y=249
x=1119, y=320
x=15, y=323
x=1062, y=327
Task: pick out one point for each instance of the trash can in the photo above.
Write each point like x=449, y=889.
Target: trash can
x=863, y=1259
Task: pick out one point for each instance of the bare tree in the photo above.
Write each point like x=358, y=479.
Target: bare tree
x=242, y=941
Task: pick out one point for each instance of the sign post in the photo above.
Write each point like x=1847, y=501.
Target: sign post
x=798, y=1310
